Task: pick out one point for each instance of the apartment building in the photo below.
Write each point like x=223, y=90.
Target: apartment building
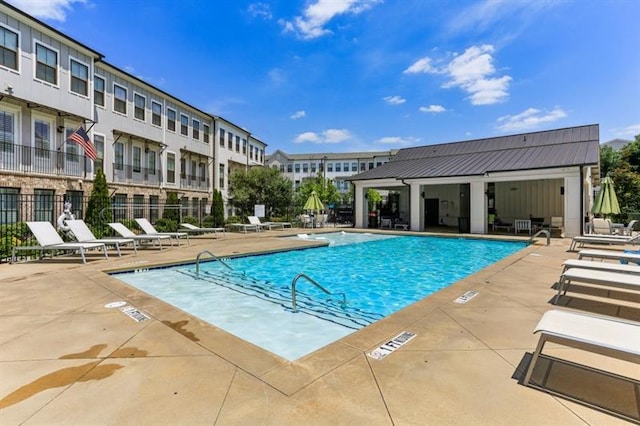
x=334, y=166
x=148, y=142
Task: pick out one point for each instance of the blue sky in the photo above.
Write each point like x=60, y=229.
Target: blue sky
x=358, y=75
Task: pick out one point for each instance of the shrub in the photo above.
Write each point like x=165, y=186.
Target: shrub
x=192, y=220
x=166, y=225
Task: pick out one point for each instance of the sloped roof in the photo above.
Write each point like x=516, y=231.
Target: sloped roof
x=573, y=146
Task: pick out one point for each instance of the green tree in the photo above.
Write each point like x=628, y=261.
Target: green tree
x=217, y=209
x=99, y=212
x=626, y=177
x=172, y=206
x=260, y=185
x=609, y=160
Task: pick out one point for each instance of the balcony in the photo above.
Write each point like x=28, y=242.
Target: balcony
x=193, y=182
x=128, y=173
x=26, y=159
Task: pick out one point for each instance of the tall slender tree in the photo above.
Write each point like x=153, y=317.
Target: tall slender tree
x=99, y=211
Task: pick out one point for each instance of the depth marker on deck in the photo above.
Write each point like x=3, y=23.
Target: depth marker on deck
x=134, y=313
x=466, y=296
x=393, y=344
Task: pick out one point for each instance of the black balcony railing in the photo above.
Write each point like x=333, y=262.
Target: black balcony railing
x=27, y=159
x=136, y=174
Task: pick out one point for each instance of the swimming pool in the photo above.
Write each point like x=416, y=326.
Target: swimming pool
x=377, y=274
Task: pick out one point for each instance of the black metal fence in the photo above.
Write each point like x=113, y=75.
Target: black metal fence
x=17, y=209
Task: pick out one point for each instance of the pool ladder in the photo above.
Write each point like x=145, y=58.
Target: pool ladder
x=213, y=256
x=545, y=232
x=293, y=290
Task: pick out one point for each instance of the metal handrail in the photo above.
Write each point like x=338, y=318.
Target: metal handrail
x=213, y=256
x=293, y=290
x=543, y=231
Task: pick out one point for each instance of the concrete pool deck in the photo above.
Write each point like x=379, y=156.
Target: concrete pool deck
x=67, y=359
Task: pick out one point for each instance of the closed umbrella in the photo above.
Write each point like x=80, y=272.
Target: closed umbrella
x=606, y=200
x=313, y=202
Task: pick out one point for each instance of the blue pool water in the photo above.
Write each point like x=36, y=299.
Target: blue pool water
x=376, y=274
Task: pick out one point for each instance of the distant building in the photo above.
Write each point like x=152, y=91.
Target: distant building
x=616, y=144
x=334, y=166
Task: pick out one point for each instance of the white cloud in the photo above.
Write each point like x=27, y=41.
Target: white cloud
x=394, y=100
x=298, y=114
x=329, y=136
x=627, y=132
x=55, y=10
x=529, y=119
x=277, y=76
x=398, y=140
x=260, y=10
x=473, y=72
x=432, y=108
x=421, y=66
x=317, y=14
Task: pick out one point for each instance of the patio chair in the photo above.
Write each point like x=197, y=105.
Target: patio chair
x=192, y=229
x=306, y=221
x=581, y=240
x=601, y=266
x=49, y=240
x=244, y=227
x=595, y=277
x=522, y=225
x=609, y=336
x=255, y=220
x=125, y=232
x=83, y=234
x=601, y=226
x=620, y=256
x=628, y=231
x=148, y=229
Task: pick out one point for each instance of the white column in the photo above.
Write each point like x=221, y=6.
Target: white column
x=478, y=208
x=572, y=211
x=359, y=208
x=416, y=207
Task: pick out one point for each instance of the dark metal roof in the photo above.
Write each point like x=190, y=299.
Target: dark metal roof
x=573, y=146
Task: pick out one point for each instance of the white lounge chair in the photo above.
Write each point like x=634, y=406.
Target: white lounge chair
x=49, y=240
x=609, y=255
x=608, y=336
x=148, y=229
x=192, y=229
x=628, y=231
x=522, y=225
x=244, y=227
x=83, y=234
x=601, y=226
x=601, y=266
x=125, y=232
x=581, y=240
x=255, y=220
x=595, y=277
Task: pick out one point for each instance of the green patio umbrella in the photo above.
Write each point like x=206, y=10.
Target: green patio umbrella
x=313, y=202
x=606, y=200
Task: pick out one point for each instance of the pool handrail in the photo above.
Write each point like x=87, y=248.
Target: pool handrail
x=540, y=232
x=213, y=256
x=312, y=281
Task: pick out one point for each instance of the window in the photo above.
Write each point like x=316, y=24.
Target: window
x=8, y=48
x=46, y=64
x=203, y=172
x=184, y=125
x=154, y=200
x=206, y=130
x=42, y=137
x=171, y=168
x=72, y=149
x=338, y=168
x=289, y=168
x=79, y=78
x=156, y=114
x=313, y=167
x=221, y=176
x=43, y=207
x=9, y=212
x=354, y=167
x=171, y=119
x=244, y=146
x=136, y=159
x=139, y=105
x=230, y=141
x=98, y=90
x=221, y=138
x=98, y=141
x=329, y=167
x=195, y=129
x=119, y=99
x=363, y=167
x=345, y=167
x=370, y=165
x=305, y=168
x=281, y=167
x=138, y=206
x=118, y=151
x=119, y=207
x=378, y=163
x=237, y=143
x=183, y=168
x=151, y=162
x=7, y=131
x=251, y=154
x=193, y=170
x=297, y=167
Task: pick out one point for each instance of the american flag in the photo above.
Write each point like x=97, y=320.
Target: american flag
x=81, y=138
